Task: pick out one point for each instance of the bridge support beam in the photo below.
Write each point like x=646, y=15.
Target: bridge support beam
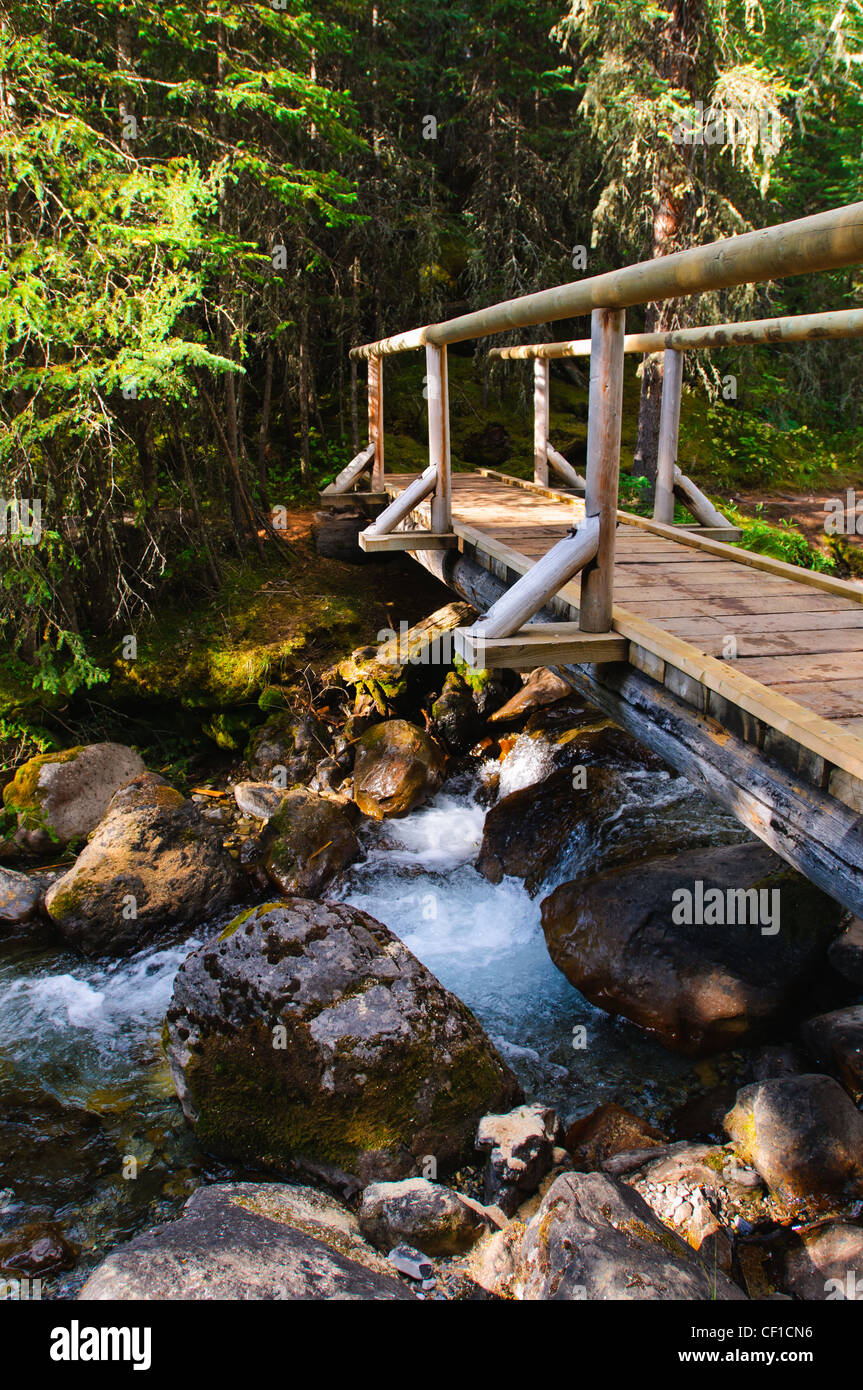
x=437, y=391
x=669, y=431
x=605, y=413
x=540, y=421
x=376, y=420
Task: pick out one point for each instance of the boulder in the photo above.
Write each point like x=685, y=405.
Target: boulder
x=846, y=952
x=606, y=1131
x=308, y=1036
x=286, y=748
x=306, y=843
x=152, y=863
x=542, y=687
x=803, y=1135
x=260, y=800
x=456, y=721
x=836, y=1041
x=643, y=942
x=520, y=1147
x=827, y=1264
x=423, y=1214
x=580, y=819
x=249, y=1241
x=396, y=768
x=20, y=895
x=595, y=1238
x=60, y=797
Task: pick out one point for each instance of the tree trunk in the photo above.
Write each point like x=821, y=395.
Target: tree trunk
x=676, y=61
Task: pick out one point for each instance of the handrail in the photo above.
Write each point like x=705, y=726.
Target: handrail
x=793, y=328
x=824, y=241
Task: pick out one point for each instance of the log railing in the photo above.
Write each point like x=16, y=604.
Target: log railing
x=825, y=241
x=670, y=482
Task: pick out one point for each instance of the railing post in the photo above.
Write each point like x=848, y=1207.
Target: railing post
x=603, y=463
x=376, y=420
x=669, y=430
x=437, y=391
x=540, y=420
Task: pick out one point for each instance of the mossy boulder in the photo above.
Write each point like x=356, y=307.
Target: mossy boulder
x=705, y=978
x=307, y=1036
x=306, y=843
x=153, y=863
x=397, y=767
x=60, y=797
x=803, y=1135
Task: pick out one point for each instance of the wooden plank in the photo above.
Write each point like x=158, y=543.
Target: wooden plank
x=733, y=645
x=529, y=648
x=695, y=629
x=730, y=606
x=833, y=700
x=408, y=540
x=838, y=665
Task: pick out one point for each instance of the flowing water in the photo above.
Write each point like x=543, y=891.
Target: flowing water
x=87, y=1034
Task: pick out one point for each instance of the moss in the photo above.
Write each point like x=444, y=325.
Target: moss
x=239, y=921
x=22, y=795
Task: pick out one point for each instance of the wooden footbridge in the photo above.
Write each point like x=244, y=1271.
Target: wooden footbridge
x=744, y=673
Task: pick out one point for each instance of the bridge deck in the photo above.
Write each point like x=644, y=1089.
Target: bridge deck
x=685, y=602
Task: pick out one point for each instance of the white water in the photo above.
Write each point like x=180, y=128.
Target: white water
x=485, y=941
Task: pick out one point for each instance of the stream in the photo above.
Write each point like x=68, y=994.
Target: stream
x=80, y=1038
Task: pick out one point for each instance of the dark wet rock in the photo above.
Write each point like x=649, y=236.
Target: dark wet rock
x=774, y=1061
x=542, y=687
x=803, y=1135
x=528, y=833
x=424, y=1214
x=51, y=1153
x=606, y=1131
x=60, y=797
x=247, y=1242
x=836, y=1041
x=20, y=895
x=307, y=1035
x=153, y=862
x=286, y=749
x=456, y=721
x=397, y=767
x=36, y=1249
x=520, y=1147
x=595, y=1238
x=700, y=987
x=827, y=1264
x=306, y=843
x=846, y=952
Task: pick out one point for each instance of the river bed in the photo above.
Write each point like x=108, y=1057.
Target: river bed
x=87, y=1034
